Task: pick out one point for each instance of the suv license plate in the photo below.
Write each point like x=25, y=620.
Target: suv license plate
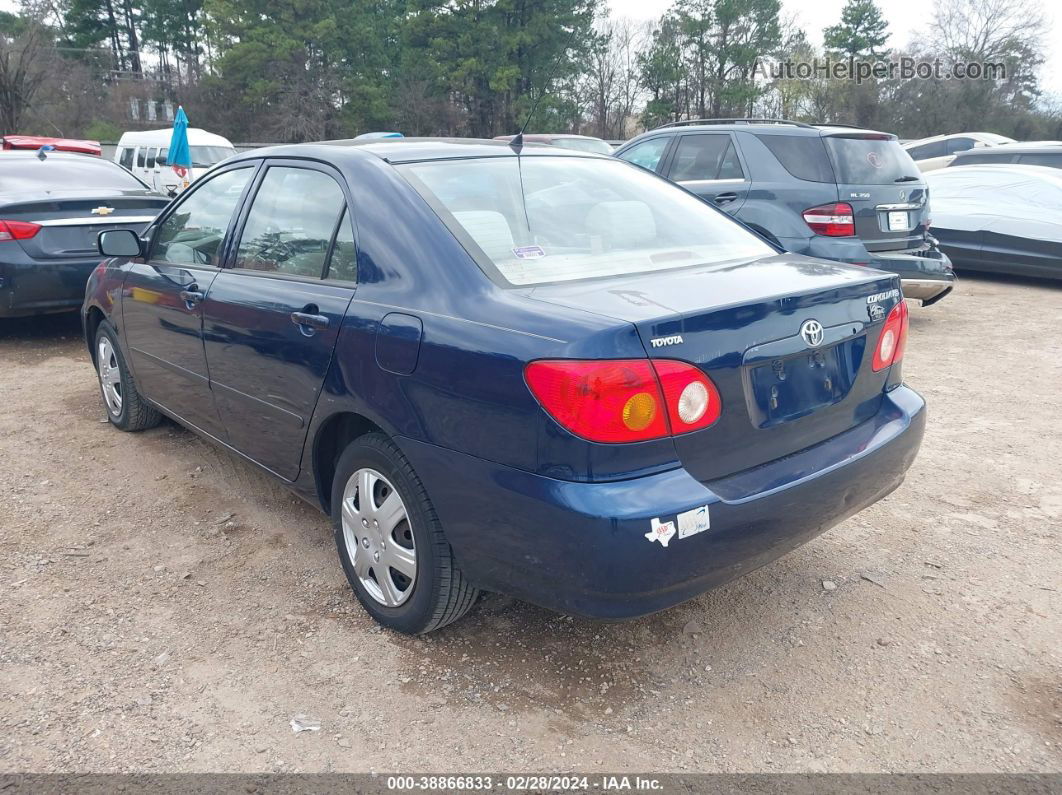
x=898, y=221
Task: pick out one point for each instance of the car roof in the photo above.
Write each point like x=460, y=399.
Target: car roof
x=948, y=136
x=1029, y=170
x=406, y=150
x=765, y=127
x=196, y=137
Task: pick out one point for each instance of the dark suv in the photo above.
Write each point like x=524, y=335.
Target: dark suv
x=835, y=192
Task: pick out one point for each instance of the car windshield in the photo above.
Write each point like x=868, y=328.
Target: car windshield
x=595, y=145
x=869, y=161
x=202, y=156
x=59, y=172
x=545, y=219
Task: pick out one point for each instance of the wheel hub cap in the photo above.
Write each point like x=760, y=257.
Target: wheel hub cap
x=378, y=537
x=110, y=376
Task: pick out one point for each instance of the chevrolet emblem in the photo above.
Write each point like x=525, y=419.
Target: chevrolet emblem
x=103, y=210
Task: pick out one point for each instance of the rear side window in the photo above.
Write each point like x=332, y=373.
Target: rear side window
x=960, y=145
x=1042, y=159
x=869, y=161
x=802, y=156
x=647, y=154
x=929, y=151
x=140, y=157
x=151, y=157
x=344, y=262
x=705, y=157
x=127, y=159
x=193, y=232
x=290, y=226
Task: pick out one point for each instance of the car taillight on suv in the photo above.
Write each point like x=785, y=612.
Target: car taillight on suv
x=624, y=400
x=836, y=219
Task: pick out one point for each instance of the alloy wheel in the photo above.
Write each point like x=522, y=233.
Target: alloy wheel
x=110, y=376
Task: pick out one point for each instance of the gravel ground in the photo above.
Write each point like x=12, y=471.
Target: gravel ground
x=168, y=608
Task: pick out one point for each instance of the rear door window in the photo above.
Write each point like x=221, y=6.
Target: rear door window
x=803, y=156
x=705, y=156
x=291, y=222
x=869, y=161
x=193, y=232
x=647, y=154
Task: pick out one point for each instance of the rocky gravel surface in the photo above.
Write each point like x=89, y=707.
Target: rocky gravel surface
x=166, y=607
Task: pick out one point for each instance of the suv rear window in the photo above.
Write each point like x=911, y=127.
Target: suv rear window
x=869, y=161
x=803, y=156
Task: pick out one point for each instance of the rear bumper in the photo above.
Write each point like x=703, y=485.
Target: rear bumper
x=927, y=275
x=32, y=288
x=581, y=548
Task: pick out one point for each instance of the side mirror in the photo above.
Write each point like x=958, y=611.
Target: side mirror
x=119, y=243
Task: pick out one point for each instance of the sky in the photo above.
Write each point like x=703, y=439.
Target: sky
x=905, y=18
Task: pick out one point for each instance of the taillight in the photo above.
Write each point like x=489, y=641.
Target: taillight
x=893, y=338
x=624, y=400
x=18, y=230
x=692, y=400
x=833, y=220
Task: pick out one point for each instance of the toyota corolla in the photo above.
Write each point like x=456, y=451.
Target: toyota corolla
x=503, y=368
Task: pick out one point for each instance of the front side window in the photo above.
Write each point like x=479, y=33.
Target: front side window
x=544, y=219
x=193, y=232
x=647, y=154
x=291, y=223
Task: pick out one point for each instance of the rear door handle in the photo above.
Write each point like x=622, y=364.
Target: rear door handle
x=724, y=198
x=307, y=320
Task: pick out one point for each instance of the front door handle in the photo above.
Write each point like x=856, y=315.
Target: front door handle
x=307, y=320
x=191, y=296
x=725, y=198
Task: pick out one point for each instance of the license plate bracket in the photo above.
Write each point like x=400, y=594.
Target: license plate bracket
x=899, y=221
x=785, y=389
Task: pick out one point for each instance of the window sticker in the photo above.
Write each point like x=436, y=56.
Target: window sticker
x=529, y=252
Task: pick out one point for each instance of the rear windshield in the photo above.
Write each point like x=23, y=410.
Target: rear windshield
x=545, y=219
x=63, y=173
x=803, y=156
x=870, y=161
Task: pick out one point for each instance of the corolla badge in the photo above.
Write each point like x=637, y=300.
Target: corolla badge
x=811, y=331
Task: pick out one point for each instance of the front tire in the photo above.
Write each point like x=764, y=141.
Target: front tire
x=126, y=409
x=390, y=542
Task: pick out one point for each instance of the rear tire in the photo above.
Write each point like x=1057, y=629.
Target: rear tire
x=126, y=409
x=390, y=542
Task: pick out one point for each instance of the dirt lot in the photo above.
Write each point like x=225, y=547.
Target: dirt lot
x=167, y=608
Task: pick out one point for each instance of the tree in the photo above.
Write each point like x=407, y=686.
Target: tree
x=24, y=68
x=861, y=33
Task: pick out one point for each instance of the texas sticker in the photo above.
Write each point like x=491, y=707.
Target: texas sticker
x=693, y=522
x=662, y=531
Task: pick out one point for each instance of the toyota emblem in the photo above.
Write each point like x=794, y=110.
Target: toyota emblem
x=811, y=331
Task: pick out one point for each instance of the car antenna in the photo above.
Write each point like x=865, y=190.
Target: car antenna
x=517, y=142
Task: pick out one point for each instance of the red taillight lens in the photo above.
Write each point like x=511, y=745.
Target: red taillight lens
x=893, y=338
x=18, y=230
x=692, y=399
x=832, y=220
x=625, y=400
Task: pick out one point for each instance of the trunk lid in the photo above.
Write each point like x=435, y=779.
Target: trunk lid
x=741, y=324
x=70, y=222
x=884, y=186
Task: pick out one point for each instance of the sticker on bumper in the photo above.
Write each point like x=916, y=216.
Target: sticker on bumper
x=661, y=531
x=693, y=522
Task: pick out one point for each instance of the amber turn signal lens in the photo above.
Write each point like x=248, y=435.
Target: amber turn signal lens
x=639, y=411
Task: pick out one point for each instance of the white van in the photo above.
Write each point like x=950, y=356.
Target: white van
x=144, y=153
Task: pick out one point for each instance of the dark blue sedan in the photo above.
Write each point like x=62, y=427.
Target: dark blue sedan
x=545, y=373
